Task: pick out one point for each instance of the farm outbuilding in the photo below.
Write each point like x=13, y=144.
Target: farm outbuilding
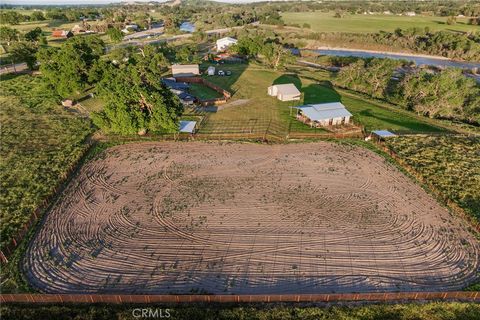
x=284, y=92
x=185, y=70
x=380, y=135
x=62, y=34
x=323, y=114
x=224, y=43
x=211, y=71
x=187, y=126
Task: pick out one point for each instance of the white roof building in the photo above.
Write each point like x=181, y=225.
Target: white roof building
x=211, y=71
x=185, y=70
x=187, y=126
x=324, y=114
x=284, y=92
x=224, y=43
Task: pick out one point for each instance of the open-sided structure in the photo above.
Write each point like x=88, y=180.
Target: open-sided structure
x=187, y=126
x=323, y=114
x=284, y=92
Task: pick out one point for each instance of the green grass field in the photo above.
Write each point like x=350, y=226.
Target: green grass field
x=40, y=141
x=325, y=22
x=450, y=163
x=249, y=83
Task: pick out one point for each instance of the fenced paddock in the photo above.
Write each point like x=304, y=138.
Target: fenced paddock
x=231, y=218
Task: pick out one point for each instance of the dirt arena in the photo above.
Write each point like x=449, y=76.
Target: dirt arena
x=245, y=219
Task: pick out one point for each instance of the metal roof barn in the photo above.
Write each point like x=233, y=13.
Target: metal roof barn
x=324, y=114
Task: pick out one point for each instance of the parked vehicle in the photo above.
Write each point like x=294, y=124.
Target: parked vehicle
x=228, y=73
x=221, y=73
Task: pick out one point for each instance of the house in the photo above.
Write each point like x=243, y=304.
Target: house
x=185, y=70
x=186, y=98
x=323, y=114
x=172, y=84
x=187, y=27
x=224, y=43
x=187, y=126
x=211, y=71
x=62, y=34
x=284, y=92
x=410, y=14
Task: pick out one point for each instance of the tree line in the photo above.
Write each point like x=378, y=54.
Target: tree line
x=454, y=45
x=436, y=94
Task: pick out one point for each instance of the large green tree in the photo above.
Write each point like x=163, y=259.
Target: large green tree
x=135, y=100
x=24, y=52
x=443, y=94
x=66, y=70
x=115, y=34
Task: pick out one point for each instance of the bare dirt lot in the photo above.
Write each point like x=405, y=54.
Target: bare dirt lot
x=247, y=218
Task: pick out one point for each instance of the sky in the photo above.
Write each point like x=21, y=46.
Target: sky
x=79, y=2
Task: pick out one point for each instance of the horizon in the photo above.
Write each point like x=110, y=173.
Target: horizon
x=104, y=2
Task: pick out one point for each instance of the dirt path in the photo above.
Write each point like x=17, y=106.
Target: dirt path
x=246, y=219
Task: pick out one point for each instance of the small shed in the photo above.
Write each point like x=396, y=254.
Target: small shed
x=185, y=70
x=211, y=71
x=67, y=103
x=187, y=126
x=382, y=134
x=284, y=92
x=224, y=43
x=324, y=114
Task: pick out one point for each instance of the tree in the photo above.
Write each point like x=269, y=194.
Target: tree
x=186, y=54
x=135, y=99
x=66, y=70
x=11, y=17
x=451, y=20
x=37, y=16
x=24, y=52
x=115, y=34
x=444, y=94
x=33, y=35
x=276, y=56
x=8, y=35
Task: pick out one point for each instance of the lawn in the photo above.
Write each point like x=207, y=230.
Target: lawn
x=203, y=92
x=250, y=82
x=325, y=22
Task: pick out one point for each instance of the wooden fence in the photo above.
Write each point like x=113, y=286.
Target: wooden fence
x=337, y=297
x=205, y=102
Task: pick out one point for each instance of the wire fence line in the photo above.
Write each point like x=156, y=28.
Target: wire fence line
x=262, y=298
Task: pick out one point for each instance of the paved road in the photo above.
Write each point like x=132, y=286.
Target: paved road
x=19, y=67
x=174, y=38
